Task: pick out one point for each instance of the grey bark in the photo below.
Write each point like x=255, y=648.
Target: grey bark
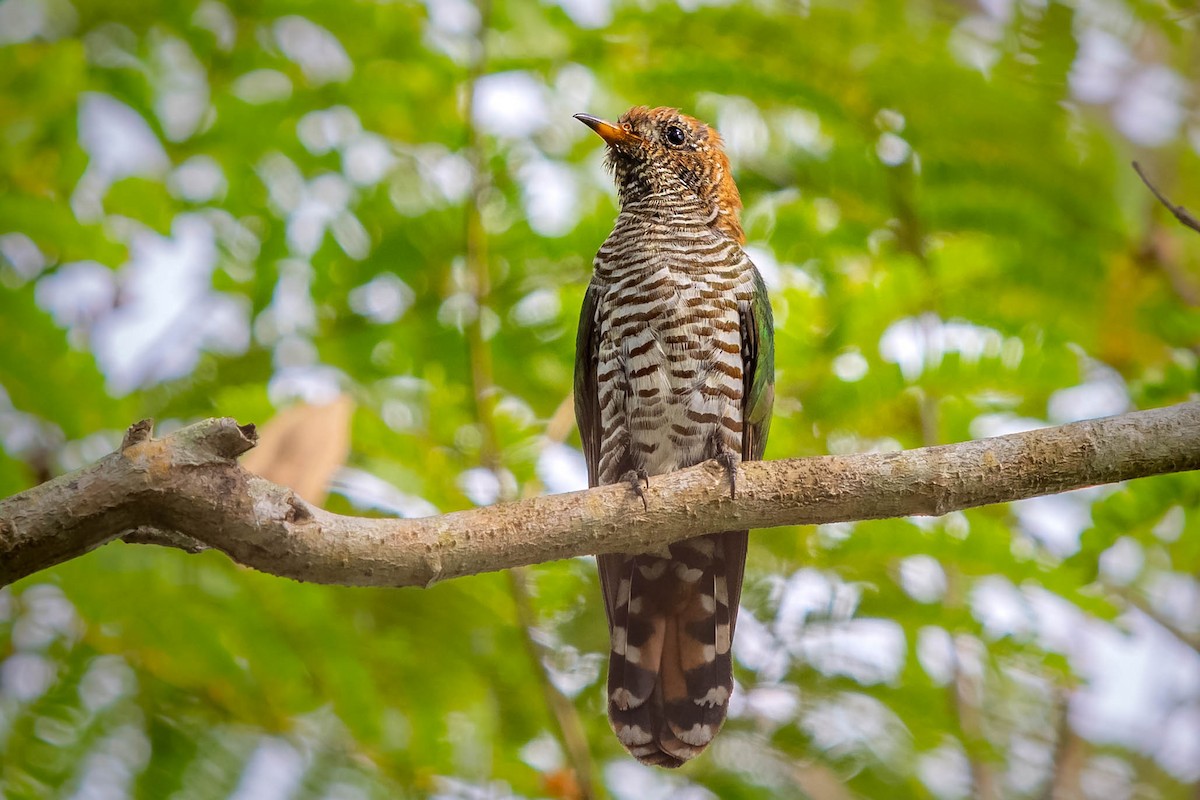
x=187, y=490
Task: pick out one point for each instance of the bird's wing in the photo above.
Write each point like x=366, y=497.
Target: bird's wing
x=587, y=415
x=758, y=395
x=587, y=393
x=758, y=369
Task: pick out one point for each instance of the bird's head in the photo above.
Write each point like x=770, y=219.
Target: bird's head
x=661, y=156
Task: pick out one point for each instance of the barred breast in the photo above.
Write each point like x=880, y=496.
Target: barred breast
x=670, y=356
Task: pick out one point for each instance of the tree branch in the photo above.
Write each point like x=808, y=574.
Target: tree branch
x=190, y=483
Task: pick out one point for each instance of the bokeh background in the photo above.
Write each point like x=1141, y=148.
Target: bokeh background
x=369, y=225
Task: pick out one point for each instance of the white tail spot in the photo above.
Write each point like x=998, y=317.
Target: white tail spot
x=654, y=571
x=716, y=696
x=698, y=736
x=633, y=735
x=622, y=592
x=624, y=699
x=618, y=639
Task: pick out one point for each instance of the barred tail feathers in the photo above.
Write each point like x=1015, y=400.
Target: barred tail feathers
x=672, y=620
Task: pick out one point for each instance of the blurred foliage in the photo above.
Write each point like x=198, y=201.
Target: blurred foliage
x=940, y=197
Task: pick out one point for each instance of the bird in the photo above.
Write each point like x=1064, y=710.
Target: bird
x=674, y=366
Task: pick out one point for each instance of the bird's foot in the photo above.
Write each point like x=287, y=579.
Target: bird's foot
x=639, y=482
x=730, y=461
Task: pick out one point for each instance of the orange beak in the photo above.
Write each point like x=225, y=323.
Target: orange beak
x=611, y=134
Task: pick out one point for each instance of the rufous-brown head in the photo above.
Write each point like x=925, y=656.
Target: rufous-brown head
x=660, y=156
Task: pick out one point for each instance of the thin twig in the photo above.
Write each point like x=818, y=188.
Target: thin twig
x=478, y=349
x=1070, y=754
x=965, y=698
x=1140, y=603
x=572, y=734
x=1179, y=212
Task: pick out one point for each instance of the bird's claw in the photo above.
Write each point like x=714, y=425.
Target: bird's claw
x=730, y=461
x=639, y=482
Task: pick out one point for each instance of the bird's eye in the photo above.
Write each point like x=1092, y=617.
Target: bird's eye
x=676, y=136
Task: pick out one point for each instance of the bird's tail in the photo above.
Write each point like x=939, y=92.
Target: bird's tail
x=672, y=621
